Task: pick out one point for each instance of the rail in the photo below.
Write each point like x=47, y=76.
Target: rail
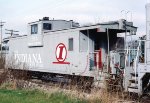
x=126, y=56
x=137, y=59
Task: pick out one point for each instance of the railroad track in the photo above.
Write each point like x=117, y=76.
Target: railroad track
x=59, y=82
x=47, y=79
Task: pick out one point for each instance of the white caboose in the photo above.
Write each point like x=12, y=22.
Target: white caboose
x=63, y=47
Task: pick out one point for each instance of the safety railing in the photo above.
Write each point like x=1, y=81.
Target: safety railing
x=137, y=60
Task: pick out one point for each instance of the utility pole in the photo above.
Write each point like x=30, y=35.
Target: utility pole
x=1, y=26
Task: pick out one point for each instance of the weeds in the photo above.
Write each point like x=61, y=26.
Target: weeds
x=2, y=61
x=34, y=96
x=10, y=79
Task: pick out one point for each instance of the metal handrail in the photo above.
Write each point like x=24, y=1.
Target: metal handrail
x=126, y=57
x=137, y=59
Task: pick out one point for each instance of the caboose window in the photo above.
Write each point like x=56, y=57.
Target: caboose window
x=34, y=29
x=47, y=26
x=70, y=44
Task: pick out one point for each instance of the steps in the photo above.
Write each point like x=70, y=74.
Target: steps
x=133, y=83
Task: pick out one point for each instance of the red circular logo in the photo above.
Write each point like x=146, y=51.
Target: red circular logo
x=61, y=52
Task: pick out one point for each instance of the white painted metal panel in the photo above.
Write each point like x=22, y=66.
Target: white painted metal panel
x=142, y=68
x=43, y=58
x=35, y=40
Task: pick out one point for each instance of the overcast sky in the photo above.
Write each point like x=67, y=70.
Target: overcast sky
x=17, y=13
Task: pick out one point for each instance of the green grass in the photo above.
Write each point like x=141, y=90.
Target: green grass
x=23, y=96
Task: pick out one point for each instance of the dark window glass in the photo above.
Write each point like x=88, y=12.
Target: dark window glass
x=34, y=29
x=5, y=48
x=70, y=44
x=47, y=26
